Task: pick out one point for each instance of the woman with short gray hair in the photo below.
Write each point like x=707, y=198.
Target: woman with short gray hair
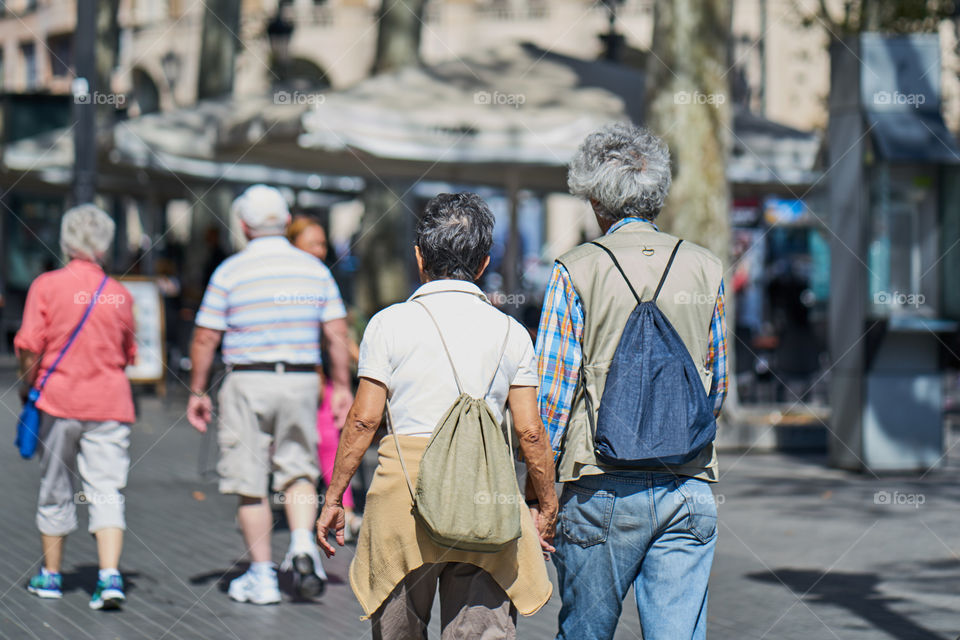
x=86, y=233
x=419, y=353
x=74, y=343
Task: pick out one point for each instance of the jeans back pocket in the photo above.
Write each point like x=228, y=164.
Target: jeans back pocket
x=585, y=514
x=701, y=506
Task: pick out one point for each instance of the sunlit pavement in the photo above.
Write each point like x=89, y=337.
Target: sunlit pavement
x=804, y=552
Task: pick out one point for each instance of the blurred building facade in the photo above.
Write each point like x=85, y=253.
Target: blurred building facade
x=779, y=77
x=779, y=66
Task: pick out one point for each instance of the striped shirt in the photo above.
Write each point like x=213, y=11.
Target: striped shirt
x=270, y=300
x=560, y=352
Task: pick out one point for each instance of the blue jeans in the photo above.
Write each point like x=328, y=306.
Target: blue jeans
x=654, y=531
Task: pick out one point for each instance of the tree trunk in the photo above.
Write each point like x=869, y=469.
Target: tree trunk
x=398, y=40
x=385, y=246
x=105, y=52
x=218, y=48
x=688, y=105
x=218, y=51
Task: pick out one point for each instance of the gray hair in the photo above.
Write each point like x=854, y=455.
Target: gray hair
x=86, y=232
x=455, y=235
x=624, y=170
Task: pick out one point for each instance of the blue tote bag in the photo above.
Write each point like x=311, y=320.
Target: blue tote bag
x=28, y=426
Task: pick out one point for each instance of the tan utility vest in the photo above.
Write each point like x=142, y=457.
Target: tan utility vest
x=688, y=298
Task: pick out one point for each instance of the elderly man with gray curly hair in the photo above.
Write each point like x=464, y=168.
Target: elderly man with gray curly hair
x=75, y=340
x=650, y=523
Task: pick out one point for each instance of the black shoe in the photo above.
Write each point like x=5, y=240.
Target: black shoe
x=306, y=582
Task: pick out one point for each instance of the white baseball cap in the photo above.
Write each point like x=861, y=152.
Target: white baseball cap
x=262, y=208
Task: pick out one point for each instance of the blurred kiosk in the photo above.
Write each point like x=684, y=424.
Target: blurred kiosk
x=894, y=173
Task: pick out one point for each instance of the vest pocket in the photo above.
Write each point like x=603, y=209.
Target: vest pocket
x=585, y=514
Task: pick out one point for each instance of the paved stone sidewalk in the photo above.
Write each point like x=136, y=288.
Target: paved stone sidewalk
x=804, y=552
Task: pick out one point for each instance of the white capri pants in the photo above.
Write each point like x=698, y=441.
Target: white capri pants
x=96, y=454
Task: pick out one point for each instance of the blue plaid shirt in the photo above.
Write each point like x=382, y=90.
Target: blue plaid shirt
x=560, y=351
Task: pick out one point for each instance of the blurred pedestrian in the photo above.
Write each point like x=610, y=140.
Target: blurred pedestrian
x=418, y=353
x=269, y=304
x=75, y=340
x=307, y=234
x=642, y=519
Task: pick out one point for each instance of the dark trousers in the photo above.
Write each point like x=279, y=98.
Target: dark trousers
x=472, y=605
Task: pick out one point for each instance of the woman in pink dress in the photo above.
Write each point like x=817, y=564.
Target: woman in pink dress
x=308, y=235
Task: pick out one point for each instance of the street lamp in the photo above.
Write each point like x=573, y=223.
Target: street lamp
x=612, y=40
x=170, y=63
x=279, y=34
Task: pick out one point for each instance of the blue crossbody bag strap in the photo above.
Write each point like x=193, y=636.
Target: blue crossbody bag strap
x=76, y=332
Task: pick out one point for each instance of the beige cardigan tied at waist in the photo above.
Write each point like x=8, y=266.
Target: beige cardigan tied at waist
x=392, y=544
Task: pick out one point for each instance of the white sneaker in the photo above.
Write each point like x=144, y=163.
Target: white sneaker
x=255, y=587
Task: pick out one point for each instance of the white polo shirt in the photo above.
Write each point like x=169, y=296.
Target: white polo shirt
x=401, y=349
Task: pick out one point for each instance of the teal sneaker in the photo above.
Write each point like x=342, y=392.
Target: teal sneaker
x=108, y=594
x=46, y=585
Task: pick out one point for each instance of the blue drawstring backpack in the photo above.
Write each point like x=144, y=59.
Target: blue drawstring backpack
x=28, y=425
x=654, y=410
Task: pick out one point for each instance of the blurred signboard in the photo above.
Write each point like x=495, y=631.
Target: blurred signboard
x=148, y=314
x=900, y=92
x=745, y=212
x=900, y=74
x=784, y=210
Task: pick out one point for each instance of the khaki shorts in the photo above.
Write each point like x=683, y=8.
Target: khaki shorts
x=267, y=423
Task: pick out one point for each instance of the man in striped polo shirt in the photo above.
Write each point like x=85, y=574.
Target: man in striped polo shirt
x=269, y=304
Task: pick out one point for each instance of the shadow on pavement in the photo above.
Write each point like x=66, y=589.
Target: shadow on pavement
x=85, y=577
x=224, y=576
x=856, y=592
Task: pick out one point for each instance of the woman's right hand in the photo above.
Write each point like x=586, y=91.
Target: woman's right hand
x=333, y=520
x=545, y=520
